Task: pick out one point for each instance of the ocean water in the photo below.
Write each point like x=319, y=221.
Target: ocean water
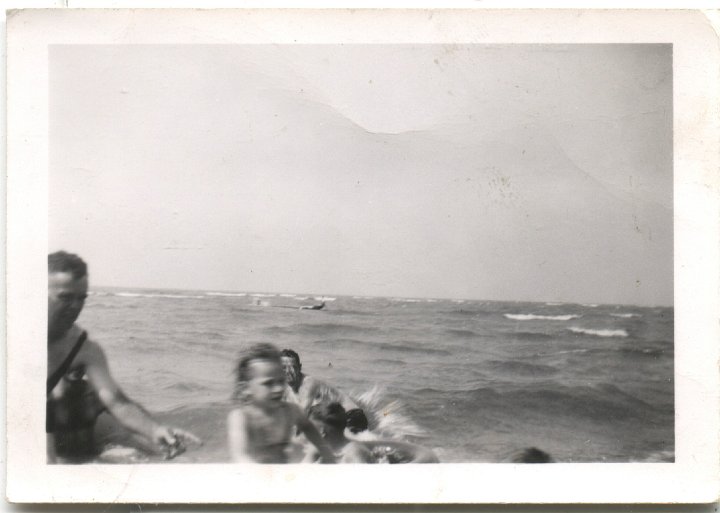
x=483, y=379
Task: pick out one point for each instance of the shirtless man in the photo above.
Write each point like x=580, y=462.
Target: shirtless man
x=79, y=385
x=307, y=391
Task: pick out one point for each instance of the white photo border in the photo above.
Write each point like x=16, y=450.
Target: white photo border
x=693, y=478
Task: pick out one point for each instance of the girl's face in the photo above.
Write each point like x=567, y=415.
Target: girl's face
x=266, y=384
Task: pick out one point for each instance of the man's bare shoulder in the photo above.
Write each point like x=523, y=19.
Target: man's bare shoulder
x=92, y=353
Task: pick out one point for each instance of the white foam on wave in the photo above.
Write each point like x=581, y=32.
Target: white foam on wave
x=325, y=298
x=226, y=294
x=532, y=317
x=592, y=305
x=599, y=333
x=625, y=315
x=257, y=294
x=170, y=296
x=554, y=304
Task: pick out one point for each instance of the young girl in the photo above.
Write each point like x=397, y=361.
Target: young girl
x=261, y=427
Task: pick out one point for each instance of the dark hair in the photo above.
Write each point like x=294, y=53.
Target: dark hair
x=356, y=420
x=532, y=455
x=291, y=354
x=331, y=413
x=252, y=353
x=63, y=262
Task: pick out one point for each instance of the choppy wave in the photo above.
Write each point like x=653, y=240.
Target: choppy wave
x=321, y=329
x=663, y=456
x=599, y=333
x=399, y=347
x=572, y=351
x=625, y=315
x=532, y=317
x=169, y=296
x=522, y=368
x=643, y=351
x=529, y=335
x=594, y=403
x=462, y=333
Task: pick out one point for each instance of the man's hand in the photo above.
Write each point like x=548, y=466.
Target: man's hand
x=172, y=440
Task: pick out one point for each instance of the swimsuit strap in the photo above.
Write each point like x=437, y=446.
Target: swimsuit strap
x=56, y=376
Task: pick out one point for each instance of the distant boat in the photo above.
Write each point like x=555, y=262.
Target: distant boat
x=313, y=307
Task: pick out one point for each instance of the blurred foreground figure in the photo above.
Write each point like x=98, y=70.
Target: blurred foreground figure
x=79, y=384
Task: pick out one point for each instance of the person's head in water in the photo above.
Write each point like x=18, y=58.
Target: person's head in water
x=259, y=377
x=532, y=455
x=67, y=291
x=292, y=367
x=329, y=418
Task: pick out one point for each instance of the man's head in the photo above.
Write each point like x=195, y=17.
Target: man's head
x=67, y=291
x=292, y=367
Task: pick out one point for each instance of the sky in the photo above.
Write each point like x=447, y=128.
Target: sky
x=516, y=172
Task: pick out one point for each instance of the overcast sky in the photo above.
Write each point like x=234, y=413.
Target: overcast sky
x=491, y=172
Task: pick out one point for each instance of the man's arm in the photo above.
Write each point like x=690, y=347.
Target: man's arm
x=129, y=413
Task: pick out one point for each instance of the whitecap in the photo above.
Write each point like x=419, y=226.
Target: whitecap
x=625, y=315
x=171, y=296
x=532, y=317
x=226, y=294
x=599, y=333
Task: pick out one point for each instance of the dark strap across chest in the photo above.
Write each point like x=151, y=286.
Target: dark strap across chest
x=56, y=376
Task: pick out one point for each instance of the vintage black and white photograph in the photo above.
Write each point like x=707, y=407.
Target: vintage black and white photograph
x=395, y=253
x=468, y=248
